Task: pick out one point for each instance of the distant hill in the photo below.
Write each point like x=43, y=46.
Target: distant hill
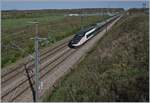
x=138, y=10
x=43, y=12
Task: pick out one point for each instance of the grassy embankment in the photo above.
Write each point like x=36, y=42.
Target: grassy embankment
x=19, y=31
x=115, y=70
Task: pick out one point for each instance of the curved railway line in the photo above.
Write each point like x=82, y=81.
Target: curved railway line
x=17, y=83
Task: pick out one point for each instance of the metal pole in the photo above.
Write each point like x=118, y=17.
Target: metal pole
x=36, y=65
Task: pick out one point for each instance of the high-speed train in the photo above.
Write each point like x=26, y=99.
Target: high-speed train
x=84, y=35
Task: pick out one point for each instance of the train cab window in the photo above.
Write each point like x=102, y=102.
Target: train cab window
x=78, y=37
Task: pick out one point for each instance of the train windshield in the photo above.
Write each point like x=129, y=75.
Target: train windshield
x=80, y=34
x=78, y=37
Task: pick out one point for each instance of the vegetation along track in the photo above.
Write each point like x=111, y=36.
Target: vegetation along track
x=13, y=72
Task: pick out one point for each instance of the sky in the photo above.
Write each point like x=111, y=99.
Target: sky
x=69, y=4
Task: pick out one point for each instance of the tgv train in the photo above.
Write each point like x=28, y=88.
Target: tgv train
x=84, y=35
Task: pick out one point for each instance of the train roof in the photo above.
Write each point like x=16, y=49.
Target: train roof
x=86, y=29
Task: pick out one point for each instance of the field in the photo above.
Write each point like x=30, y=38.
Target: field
x=12, y=24
x=116, y=69
x=18, y=31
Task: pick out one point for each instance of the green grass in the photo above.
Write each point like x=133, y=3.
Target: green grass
x=55, y=28
x=116, y=69
x=11, y=24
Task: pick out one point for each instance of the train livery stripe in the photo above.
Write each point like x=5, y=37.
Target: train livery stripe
x=90, y=31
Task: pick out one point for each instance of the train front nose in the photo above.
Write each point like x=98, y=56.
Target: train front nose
x=75, y=41
x=70, y=44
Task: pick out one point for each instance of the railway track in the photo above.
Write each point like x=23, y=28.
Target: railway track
x=19, y=77
x=43, y=71
x=24, y=80
x=20, y=69
x=8, y=77
x=47, y=67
